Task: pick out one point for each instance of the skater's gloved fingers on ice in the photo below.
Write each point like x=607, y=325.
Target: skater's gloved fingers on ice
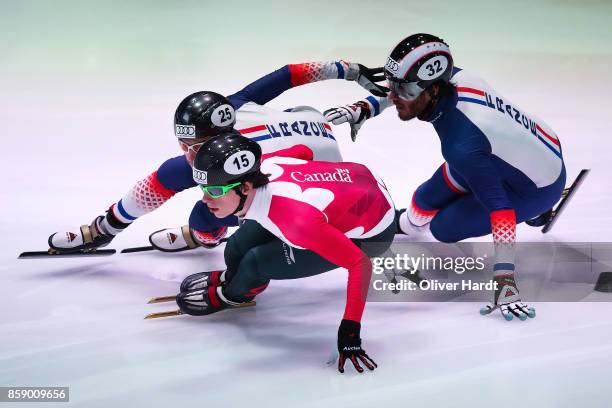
x=341, y=362
x=524, y=309
x=487, y=309
x=517, y=309
x=530, y=310
x=505, y=311
x=510, y=310
x=367, y=361
x=358, y=367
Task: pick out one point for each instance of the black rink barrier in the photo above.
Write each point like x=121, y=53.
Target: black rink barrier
x=545, y=272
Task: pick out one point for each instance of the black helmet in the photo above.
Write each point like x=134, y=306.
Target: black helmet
x=203, y=114
x=416, y=63
x=225, y=159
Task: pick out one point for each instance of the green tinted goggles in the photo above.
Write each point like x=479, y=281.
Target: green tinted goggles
x=218, y=191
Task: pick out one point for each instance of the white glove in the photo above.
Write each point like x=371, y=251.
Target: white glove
x=367, y=78
x=355, y=114
x=508, y=300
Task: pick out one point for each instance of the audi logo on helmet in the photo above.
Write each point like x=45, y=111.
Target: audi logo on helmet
x=200, y=177
x=392, y=65
x=184, y=131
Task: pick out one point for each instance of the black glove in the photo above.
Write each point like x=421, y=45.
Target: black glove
x=349, y=347
x=202, y=280
x=201, y=302
x=367, y=78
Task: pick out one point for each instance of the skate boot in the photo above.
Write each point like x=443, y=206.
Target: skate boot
x=86, y=238
x=405, y=226
x=184, y=238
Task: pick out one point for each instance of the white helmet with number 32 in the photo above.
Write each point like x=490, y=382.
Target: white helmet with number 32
x=416, y=63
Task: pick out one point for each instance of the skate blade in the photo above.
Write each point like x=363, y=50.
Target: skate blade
x=50, y=253
x=163, y=314
x=245, y=304
x=172, y=298
x=162, y=299
x=178, y=312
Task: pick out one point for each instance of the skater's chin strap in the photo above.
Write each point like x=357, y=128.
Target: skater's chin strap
x=435, y=98
x=431, y=104
x=243, y=198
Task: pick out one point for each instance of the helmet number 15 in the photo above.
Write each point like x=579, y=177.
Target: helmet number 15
x=240, y=162
x=243, y=162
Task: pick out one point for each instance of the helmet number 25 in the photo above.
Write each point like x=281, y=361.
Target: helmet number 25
x=225, y=114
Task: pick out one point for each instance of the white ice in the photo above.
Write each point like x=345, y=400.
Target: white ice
x=87, y=94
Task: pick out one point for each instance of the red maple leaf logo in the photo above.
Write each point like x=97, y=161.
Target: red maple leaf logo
x=171, y=237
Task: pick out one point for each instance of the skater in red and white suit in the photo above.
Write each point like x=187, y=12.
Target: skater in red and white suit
x=300, y=218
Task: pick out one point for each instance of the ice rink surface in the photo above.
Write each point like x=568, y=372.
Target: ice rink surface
x=87, y=94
